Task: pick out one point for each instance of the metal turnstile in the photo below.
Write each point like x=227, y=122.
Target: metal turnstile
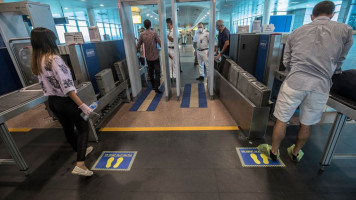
x=345, y=108
x=20, y=101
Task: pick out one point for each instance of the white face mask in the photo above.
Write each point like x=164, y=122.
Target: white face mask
x=200, y=30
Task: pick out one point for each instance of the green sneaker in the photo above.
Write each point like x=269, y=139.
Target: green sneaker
x=293, y=157
x=266, y=150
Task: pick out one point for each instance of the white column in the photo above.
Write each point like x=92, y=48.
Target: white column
x=91, y=17
x=130, y=47
x=164, y=48
x=266, y=11
x=176, y=46
x=212, y=21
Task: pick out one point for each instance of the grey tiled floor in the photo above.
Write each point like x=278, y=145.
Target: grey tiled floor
x=178, y=166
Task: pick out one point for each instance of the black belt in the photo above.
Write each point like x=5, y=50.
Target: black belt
x=171, y=47
x=203, y=49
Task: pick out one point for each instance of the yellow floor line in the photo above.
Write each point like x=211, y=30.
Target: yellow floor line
x=147, y=102
x=20, y=129
x=195, y=128
x=194, y=100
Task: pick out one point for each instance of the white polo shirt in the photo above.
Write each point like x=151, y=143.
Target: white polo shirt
x=202, y=39
x=170, y=33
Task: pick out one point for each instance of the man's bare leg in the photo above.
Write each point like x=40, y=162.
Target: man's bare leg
x=302, y=138
x=279, y=132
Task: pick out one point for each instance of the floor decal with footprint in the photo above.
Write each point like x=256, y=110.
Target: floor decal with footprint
x=115, y=160
x=110, y=161
x=251, y=157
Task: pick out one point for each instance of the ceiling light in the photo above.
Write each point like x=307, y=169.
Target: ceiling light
x=294, y=2
x=102, y=5
x=148, y=15
x=151, y=16
x=82, y=0
x=156, y=18
x=65, y=8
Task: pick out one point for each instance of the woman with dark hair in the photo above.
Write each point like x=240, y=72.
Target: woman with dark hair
x=57, y=83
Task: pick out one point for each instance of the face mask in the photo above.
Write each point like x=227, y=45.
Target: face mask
x=200, y=30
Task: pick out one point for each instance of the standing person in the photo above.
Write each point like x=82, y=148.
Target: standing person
x=150, y=40
x=142, y=51
x=312, y=54
x=223, y=39
x=172, y=64
x=195, y=48
x=184, y=37
x=57, y=83
x=201, y=42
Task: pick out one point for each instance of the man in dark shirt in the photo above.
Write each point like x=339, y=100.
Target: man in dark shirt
x=150, y=40
x=223, y=39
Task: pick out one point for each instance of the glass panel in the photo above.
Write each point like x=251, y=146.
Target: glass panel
x=106, y=25
x=85, y=33
x=60, y=31
x=113, y=32
x=350, y=62
x=82, y=23
x=72, y=29
x=71, y=23
x=100, y=25
x=120, y=32
x=102, y=33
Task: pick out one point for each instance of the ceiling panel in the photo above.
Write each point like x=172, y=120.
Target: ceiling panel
x=189, y=12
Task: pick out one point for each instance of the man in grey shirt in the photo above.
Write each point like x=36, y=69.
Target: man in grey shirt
x=313, y=53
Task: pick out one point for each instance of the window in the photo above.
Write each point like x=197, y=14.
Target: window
x=60, y=32
x=113, y=32
x=83, y=27
x=118, y=30
x=85, y=32
x=71, y=23
x=72, y=29
x=82, y=23
x=101, y=30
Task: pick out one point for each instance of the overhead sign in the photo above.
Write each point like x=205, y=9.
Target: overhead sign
x=251, y=157
x=256, y=26
x=136, y=19
x=268, y=28
x=243, y=29
x=74, y=38
x=115, y=161
x=94, y=34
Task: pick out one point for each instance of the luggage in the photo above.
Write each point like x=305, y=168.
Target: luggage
x=344, y=84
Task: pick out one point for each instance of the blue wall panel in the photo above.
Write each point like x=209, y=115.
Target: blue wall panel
x=262, y=57
x=91, y=59
x=120, y=50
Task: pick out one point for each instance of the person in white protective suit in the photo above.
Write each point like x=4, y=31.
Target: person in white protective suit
x=201, y=44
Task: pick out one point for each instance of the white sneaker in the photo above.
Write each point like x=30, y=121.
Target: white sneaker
x=89, y=150
x=82, y=172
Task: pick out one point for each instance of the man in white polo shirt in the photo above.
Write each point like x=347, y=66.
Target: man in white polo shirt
x=201, y=44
